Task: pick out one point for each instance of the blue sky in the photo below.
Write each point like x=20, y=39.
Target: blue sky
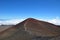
x=15, y=11
x=10, y=9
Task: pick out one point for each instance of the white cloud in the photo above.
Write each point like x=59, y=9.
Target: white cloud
x=55, y=21
x=10, y=22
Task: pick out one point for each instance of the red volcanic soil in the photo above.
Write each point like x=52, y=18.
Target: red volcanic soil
x=30, y=27
x=41, y=28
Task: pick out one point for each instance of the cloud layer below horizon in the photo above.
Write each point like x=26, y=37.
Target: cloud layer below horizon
x=55, y=21
x=10, y=22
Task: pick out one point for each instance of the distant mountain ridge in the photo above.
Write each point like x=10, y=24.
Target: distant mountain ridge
x=28, y=29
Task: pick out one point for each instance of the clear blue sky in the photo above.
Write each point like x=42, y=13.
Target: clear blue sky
x=10, y=9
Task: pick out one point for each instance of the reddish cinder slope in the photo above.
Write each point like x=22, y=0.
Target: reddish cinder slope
x=30, y=27
x=41, y=28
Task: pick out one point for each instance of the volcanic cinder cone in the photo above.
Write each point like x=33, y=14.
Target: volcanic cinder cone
x=29, y=28
x=41, y=28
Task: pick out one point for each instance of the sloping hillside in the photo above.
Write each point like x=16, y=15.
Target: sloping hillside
x=4, y=27
x=41, y=28
x=31, y=29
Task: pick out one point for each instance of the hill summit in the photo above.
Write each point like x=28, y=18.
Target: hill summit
x=30, y=28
